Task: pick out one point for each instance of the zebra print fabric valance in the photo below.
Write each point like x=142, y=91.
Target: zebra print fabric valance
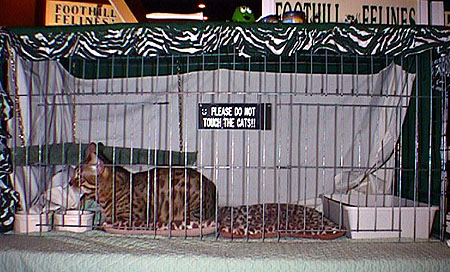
x=148, y=40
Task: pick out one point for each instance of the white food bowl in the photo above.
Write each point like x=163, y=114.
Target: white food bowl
x=378, y=216
x=74, y=221
x=32, y=222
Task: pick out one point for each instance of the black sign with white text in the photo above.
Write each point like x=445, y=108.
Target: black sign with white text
x=235, y=116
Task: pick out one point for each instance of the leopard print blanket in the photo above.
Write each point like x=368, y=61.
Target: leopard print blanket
x=280, y=220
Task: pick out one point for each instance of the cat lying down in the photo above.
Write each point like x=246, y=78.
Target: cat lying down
x=115, y=188
x=112, y=187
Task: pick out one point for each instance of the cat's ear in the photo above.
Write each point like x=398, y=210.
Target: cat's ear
x=95, y=148
x=92, y=149
x=94, y=159
x=100, y=166
x=100, y=147
x=91, y=154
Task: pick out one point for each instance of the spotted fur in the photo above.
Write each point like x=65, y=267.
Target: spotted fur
x=123, y=196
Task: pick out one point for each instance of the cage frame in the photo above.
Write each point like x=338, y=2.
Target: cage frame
x=420, y=39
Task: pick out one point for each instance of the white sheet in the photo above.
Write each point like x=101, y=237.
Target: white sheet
x=316, y=141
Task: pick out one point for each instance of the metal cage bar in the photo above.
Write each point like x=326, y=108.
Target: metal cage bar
x=328, y=115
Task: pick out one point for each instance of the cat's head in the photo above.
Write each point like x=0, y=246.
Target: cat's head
x=87, y=176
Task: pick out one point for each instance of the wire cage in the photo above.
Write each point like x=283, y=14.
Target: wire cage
x=314, y=142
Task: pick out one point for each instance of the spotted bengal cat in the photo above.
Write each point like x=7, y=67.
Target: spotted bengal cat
x=112, y=187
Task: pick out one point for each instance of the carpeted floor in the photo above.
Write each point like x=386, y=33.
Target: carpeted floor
x=99, y=251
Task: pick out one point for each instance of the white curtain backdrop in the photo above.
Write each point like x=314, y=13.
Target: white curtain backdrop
x=323, y=143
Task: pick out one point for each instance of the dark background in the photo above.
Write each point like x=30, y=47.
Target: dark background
x=216, y=10
x=32, y=12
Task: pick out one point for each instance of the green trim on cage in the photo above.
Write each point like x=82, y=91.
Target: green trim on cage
x=74, y=154
x=131, y=67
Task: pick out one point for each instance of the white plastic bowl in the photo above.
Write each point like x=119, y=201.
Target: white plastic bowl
x=32, y=222
x=74, y=221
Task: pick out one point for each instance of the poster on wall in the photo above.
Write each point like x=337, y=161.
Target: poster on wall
x=399, y=12
x=79, y=13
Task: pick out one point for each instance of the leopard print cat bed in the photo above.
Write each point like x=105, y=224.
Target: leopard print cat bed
x=316, y=226
x=309, y=225
x=180, y=229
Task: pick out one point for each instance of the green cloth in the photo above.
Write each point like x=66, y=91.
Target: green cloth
x=99, y=251
x=73, y=154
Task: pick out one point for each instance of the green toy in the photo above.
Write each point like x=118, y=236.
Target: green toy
x=243, y=14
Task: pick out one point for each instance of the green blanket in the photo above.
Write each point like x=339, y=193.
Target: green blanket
x=73, y=154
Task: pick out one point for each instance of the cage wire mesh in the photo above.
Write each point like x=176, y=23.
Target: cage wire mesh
x=359, y=140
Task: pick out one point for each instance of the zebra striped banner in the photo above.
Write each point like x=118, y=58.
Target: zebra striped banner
x=246, y=39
